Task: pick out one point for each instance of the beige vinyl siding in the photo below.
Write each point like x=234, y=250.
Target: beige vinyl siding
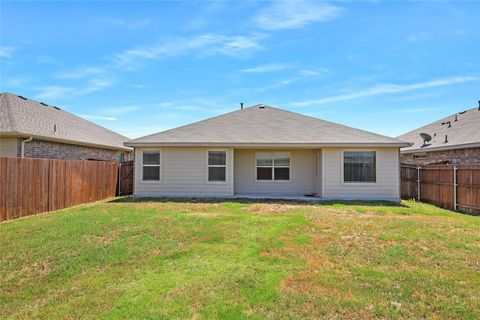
x=183, y=172
x=386, y=186
x=318, y=173
x=302, y=174
x=8, y=147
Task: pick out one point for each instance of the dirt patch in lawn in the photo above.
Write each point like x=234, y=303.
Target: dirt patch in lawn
x=270, y=209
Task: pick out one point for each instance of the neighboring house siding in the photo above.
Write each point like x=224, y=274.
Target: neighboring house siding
x=8, y=147
x=183, y=173
x=302, y=174
x=467, y=155
x=55, y=150
x=386, y=187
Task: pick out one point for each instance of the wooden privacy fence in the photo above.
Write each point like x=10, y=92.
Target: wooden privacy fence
x=31, y=186
x=455, y=187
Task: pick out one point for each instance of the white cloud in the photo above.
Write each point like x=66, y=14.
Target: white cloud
x=110, y=113
x=266, y=68
x=312, y=72
x=418, y=110
x=299, y=76
x=136, y=131
x=117, y=111
x=418, y=36
x=140, y=85
x=44, y=59
x=95, y=85
x=130, y=24
x=295, y=14
x=80, y=73
x=7, y=52
x=15, y=82
x=60, y=92
x=386, y=89
x=95, y=117
x=53, y=92
x=205, y=44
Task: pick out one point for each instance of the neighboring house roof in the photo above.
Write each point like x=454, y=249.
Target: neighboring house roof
x=262, y=125
x=462, y=133
x=24, y=117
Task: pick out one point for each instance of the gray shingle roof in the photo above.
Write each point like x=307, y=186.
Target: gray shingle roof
x=465, y=132
x=25, y=117
x=265, y=125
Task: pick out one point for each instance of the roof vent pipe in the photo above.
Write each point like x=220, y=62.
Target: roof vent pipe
x=241, y=105
x=446, y=139
x=478, y=105
x=456, y=119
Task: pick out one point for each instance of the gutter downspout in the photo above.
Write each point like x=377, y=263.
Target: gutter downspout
x=22, y=146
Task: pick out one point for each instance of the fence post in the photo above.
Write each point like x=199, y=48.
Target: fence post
x=418, y=183
x=454, y=187
x=119, y=178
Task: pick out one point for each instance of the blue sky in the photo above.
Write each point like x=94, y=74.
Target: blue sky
x=143, y=67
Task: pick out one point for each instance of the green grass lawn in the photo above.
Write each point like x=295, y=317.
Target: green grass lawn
x=231, y=260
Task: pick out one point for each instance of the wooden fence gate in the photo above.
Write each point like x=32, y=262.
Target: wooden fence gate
x=125, y=178
x=455, y=187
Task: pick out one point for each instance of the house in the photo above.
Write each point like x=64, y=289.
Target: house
x=34, y=129
x=263, y=151
x=454, y=139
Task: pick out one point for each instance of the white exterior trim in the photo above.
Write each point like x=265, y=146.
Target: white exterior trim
x=218, y=166
x=323, y=173
x=290, y=174
x=248, y=145
x=159, y=181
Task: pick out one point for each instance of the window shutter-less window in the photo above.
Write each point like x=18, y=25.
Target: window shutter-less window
x=359, y=166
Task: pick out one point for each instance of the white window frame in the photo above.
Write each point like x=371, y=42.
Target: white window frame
x=273, y=166
x=217, y=166
x=153, y=165
x=353, y=183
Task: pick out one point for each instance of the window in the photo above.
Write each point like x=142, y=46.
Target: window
x=217, y=166
x=273, y=166
x=151, y=165
x=359, y=166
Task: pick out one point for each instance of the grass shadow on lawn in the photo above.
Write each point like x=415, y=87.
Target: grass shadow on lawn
x=370, y=203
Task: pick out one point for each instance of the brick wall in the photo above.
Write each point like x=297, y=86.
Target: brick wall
x=468, y=155
x=55, y=150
